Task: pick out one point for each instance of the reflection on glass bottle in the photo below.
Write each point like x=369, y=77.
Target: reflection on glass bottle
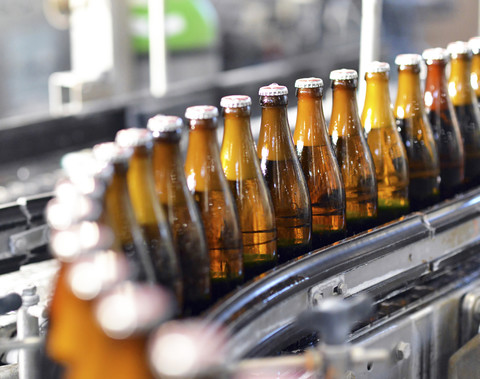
x=242, y=170
x=283, y=175
x=466, y=108
x=147, y=210
x=353, y=154
x=319, y=165
x=181, y=210
x=474, y=44
x=206, y=181
x=417, y=135
x=386, y=146
x=443, y=120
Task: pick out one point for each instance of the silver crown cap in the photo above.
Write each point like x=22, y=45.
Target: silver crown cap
x=235, y=101
x=343, y=74
x=201, y=112
x=273, y=89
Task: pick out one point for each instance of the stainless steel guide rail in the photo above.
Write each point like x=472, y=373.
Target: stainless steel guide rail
x=386, y=262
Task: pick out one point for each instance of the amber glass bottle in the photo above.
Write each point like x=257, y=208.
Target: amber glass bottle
x=443, y=120
x=474, y=44
x=319, y=165
x=466, y=108
x=417, y=135
x=353, y=154
x=147, y=210
x=283, y=175
x=118, y=211
x=386, y=146
x=242, y=170
x=182, y=212
x=206, y=181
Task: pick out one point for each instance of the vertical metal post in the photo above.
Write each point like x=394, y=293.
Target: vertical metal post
x=369, y=41
x=158, y=55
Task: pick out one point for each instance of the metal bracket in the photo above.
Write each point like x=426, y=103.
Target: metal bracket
x=333, y=287
x=24, y=242
x=469, y=316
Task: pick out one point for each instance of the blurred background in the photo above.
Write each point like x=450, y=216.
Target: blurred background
x=73, y=72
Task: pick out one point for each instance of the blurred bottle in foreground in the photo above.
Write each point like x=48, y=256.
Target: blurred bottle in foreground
x=466, y=108
x=242, y=170
x=443, y=120
x=353, y=154
x=283, y=175
x=319, y=165
x=386, y=146
x=181, y=211
x=206, y=181
x=417, y=134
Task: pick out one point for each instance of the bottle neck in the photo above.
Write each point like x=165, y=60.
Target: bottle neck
x=202, y=164
x=344, y=110
x=167, y=167
x=409, y=97
x=238, y=148
x=459, y=86
x=377, y=111
x=310, y=129
x=275, y=139
x=436, y=93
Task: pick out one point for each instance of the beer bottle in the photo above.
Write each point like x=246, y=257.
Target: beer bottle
x=126, y=315
x=386, y=146
x=283, y=175
x=352, y=153
x=147, y=210
x=246, y=182
x=466, y=108
x=444, y=123
x=319, y=165
x=417, y=135
x=206, y=181
x=118, y=211
x=182, y=212
x=474, y=44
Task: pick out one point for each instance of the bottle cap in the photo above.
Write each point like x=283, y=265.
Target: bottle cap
x=133, y=137
x=235, y=101
x=474, y=44
x=79, y=164
x=93, y=274
x=408, y=59
x=458, y=48
x=435, y=54
x=201, y=112
x=62, y=214
x=309, y=83
x=68, y=244
x=164, y=124
x=273, y=89
x=377, y=66
x=343, y=74
x=132, y=308
x=110, y=152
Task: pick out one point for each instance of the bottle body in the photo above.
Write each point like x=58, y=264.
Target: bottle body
x=468, y=115
x=354, y=158
x=417, y=136
x=207, y=183
x=320, y=169
x=445, y=128
x=282, y=172
x=242, y=171
x=386, y=146
x=185, y=222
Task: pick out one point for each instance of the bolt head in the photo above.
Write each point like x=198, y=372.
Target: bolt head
x=30, y=290
x=403, y=350
x=317, y=297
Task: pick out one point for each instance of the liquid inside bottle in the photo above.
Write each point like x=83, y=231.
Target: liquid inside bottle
x=417, y=135
x=353, y=154
x=319, y=165
x=254, y=205
x=386, y=146
x=283, y=175
x=207, y=183
x=474, y=44
x=443, y=120
x=148, y=213
x=182, y=212
x=466, y=108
